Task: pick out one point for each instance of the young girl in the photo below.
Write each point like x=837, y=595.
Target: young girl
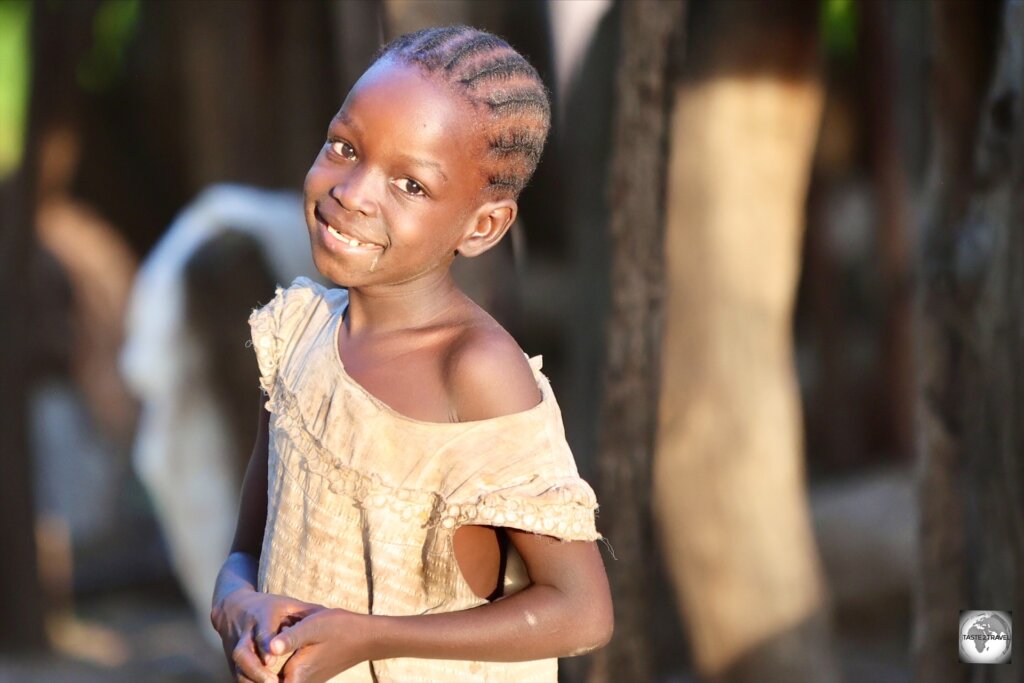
x=409, y=453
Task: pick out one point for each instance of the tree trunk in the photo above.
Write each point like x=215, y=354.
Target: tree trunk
x=629, y=407
x=729, y=490
x=20, y=592
x=21, y=596
x=251, y=87
x=357, y=31
x=971, y=332
x=892, y=387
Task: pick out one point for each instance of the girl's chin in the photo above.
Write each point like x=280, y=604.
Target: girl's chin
x=340, y=275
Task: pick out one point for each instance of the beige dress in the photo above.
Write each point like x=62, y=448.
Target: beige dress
x=364, y=501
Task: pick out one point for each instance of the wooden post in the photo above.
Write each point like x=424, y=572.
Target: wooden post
x=729, y=486
x=633, y=333
x=970, y=394
x=21, y=598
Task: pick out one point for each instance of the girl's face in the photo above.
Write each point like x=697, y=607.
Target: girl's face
x=396, y=187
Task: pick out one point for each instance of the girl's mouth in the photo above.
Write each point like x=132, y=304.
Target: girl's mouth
x=334, y=237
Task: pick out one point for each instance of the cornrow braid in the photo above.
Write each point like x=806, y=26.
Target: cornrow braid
x=499, y=82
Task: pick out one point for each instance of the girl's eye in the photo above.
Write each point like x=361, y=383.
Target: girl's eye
x=410, y=186
x=343, y=149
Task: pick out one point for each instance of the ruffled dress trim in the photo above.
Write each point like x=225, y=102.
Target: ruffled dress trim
x=563, y=506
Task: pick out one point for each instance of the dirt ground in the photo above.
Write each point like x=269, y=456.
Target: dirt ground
x=131, y=637
x=151, y=637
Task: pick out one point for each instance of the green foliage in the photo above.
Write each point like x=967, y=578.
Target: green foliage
x=113, y=27
x=839, y=28
x=15, y=62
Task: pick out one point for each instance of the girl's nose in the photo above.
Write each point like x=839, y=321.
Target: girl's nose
x=354, y=192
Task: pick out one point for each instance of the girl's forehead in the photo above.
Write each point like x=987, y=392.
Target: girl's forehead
x=403, y=94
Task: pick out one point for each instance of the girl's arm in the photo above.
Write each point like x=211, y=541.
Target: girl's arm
x=245, y=618
x=239, y=570
x=566, y=611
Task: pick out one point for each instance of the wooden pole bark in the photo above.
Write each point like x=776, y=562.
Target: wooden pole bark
x=970, y=396
x=21, y=596
x=729, y=491
x=633, y=333
x=893, y=388
x=20, y=592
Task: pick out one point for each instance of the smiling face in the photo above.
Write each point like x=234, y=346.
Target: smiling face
x=397, y=187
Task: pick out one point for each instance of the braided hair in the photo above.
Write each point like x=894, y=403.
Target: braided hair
x=496, y=80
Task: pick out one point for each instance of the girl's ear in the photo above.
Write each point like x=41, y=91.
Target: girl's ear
x=491, y=222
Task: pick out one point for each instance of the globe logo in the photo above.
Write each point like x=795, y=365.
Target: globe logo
x=986, y=637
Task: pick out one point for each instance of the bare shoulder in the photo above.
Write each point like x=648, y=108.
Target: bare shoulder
x=487, y=375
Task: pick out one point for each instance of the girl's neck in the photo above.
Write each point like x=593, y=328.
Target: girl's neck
x=380, y=309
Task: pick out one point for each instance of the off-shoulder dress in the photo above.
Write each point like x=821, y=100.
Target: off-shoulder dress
x=363, y=502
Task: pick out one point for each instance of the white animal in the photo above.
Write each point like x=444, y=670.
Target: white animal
x=182, y=450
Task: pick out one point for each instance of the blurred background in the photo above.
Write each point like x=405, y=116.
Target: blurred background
x=773, y=258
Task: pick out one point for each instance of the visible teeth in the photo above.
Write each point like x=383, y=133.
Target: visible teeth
x=347, y=240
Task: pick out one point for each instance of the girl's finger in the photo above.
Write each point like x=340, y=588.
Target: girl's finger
x=295, y=669
x=249, y=665
x=242, y=678
x=262, y=641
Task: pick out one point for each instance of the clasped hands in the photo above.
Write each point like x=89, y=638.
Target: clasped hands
x=270, y=638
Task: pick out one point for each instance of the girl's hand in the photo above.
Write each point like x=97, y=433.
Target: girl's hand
x=324, y=644
x=247, y=620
